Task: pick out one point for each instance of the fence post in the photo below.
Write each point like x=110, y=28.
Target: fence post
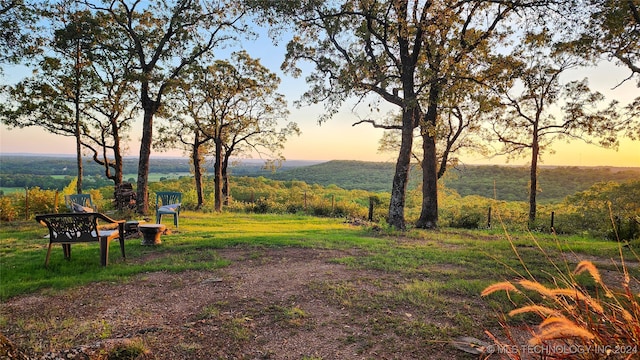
x=370, y=208
x=55, y=202
x=333, y=204
x=26, y=203
x=489, y=218
x=553, y=220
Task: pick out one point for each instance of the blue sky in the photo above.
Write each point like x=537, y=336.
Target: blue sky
x=338, y=139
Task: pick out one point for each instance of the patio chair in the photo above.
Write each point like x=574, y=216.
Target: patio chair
x=168, y=203
x=80, y=203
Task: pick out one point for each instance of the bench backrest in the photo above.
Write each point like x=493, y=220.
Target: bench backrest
x=73, y=227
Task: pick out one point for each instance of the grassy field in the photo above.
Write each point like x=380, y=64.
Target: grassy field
x=484, y=256
x=434, y=271
x=11, y=190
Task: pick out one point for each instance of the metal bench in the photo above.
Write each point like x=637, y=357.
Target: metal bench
x=72, y=228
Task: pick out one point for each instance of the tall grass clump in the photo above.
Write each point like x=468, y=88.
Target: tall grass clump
x=575, y=314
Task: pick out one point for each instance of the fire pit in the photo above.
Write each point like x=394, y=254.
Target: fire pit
x=151, y=233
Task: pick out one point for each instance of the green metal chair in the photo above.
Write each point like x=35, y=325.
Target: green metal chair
x=80, y=203
x=168, y=203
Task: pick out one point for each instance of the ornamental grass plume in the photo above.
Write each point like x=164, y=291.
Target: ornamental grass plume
x=559, y=327
x=596, y=321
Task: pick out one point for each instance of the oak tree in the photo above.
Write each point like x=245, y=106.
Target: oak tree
x=404, y=52
x=167, y=36
x=54, y=98
x=231, y=108
x=540, y=109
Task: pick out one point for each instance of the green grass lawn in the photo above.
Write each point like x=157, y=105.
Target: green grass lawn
x=420, y=286
x=467, y=260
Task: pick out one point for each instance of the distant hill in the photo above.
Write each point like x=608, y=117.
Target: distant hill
x=50, y=171
x=372, y=176
x=505, y=182
x=511, y=183
x=35, y=164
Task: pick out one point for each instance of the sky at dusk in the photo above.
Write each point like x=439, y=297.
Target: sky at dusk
x=337, y=139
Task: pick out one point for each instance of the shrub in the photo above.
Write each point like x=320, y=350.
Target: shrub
x=8, y=211
x=593, y=208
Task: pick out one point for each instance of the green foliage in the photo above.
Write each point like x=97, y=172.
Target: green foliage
x=605, y=206
x=372, y=176
x=585, y=213
x=507, y=183
x=510, y=183
x=262, y=195
x=29, y=180
x=8, y=212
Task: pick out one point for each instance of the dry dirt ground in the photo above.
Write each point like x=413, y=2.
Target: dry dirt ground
x=267, y=304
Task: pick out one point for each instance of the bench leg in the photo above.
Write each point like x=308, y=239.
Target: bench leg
x=67, y=251
x=46, y=260
x=121, y=237
x=104, y=251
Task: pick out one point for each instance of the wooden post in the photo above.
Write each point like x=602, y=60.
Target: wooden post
x=26, y=203
x=370, y=208
x=55, y=202
x=489, y=218
x=553, y=219
x=333, y=204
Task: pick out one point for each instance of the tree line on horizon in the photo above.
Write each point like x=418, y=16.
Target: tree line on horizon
x=460, y=74
x=505, y=183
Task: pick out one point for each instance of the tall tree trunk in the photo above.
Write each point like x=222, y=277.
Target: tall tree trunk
x=77, y=114
x=226, y=195
x=78, y=149
x=142, y=197
x=226, y=190
x=116, y=164
x=533, y=179
x=429, y=210
x=217, y=177
x=117, y=154
x=401, y=176
x=197, y=171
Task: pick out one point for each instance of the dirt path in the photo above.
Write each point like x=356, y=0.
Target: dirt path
x=268, y=304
